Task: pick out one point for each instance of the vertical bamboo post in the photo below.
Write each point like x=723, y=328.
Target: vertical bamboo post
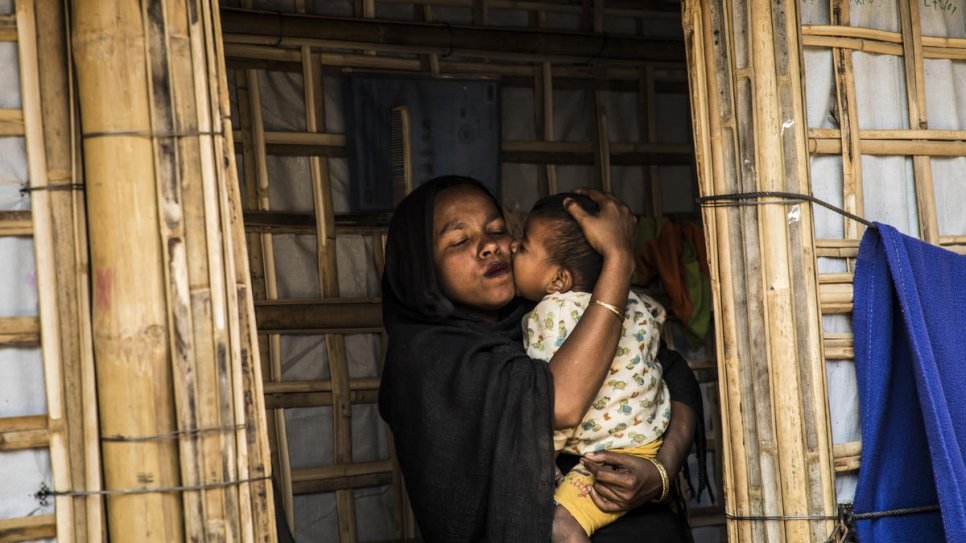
x=916, y=101
x=852, y=195
x=548, y=134
x=433, y=57
x=603, y=140
x=749, y=126
x=130, y=332
x=48, y=297
x=648, y=105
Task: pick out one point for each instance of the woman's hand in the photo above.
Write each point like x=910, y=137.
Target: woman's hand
x=612, y=231
x=623, y=481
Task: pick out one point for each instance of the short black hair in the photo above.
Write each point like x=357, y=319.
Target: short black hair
x=566, y=245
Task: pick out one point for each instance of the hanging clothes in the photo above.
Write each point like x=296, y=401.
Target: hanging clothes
x=910, y=356
x=676, y=254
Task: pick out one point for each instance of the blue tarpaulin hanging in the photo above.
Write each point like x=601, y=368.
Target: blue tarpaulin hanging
x=910, y=355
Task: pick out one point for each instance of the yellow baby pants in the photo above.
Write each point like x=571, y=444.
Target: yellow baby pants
x=574, y=491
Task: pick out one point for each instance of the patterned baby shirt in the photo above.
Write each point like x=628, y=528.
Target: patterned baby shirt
x=633, y=406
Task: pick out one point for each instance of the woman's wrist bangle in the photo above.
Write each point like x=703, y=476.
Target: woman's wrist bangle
x=665, y=480
x=612, y=308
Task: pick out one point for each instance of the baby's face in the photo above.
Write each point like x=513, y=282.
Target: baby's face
x=533, y=272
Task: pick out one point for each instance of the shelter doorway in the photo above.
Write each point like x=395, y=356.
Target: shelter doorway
x=576, y=110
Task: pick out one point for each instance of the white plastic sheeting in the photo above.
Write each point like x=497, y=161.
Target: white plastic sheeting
x=21, y=370
x=888, y=182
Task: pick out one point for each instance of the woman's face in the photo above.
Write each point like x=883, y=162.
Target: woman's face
x=471, y=251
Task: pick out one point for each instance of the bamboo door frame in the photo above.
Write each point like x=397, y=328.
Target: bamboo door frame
x=747, y=99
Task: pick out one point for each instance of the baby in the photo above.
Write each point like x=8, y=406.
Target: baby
x=554, y=264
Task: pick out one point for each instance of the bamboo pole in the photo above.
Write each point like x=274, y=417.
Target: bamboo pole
x=648, y=106
x=764, y=268
x=28, y=528
x=602, y=133
x=246, y=55
x=852, y=195
x=130, y=347
x=916, y=100
x=428, y=17
x=546, y=86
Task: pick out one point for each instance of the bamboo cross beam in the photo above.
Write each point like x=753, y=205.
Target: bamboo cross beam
x=335, y=315
x=244, y=26
x=27, y=528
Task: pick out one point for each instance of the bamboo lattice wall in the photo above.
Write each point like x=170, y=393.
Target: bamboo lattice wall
x=752, y=133
x=62, y=329
x=315, y=52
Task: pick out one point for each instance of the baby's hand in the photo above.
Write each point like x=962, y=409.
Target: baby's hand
x=557, y=476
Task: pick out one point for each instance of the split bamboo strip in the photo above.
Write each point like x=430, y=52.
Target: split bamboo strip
x=16, y=223
x=646, y=11
x=648, y=108
x=257, y=262
x=711, y=162
x=329, y=287
x=840, y=28
x=130, y=347
x=243, y=26
x=866, y=46
x=910, y=135
x=289, y=400
x=8, y=27
x=536, y=83
x=428, y=17
x=764, y=267
x=11, y=122
x=47, y=255
x=846, y=456
x=835, y=297
x=342, y=470
x=879, y=41
x=881, y=147
x=839, y=346
x=847, y=111
x=255, y=459
x=314, y=486
x=330, y=315
x=916, y=100
x=27, y=528
x=28, y=432
x=267, y=251
x=243, y=55
x=543, y=108
x=19, y=331
x=287, y=387
x=602, y=135
x=481, y=12
x=179, y=194
x=297, y=222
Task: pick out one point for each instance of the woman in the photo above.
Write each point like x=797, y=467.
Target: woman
x=472, y=415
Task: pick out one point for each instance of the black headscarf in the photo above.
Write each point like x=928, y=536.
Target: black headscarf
x=471, y=413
